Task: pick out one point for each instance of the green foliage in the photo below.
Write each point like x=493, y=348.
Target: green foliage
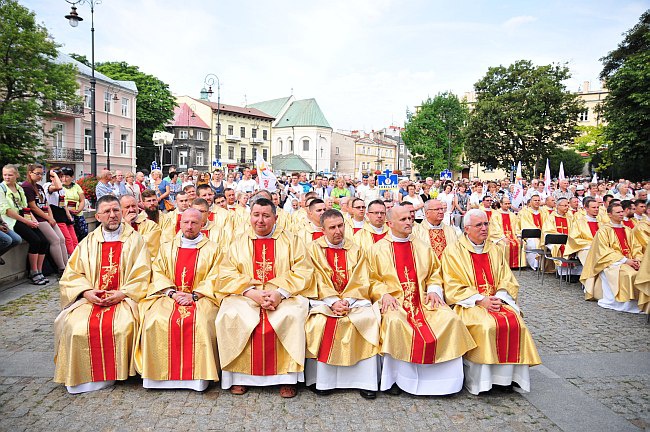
x=592, y=140
x=30, y=83
x=429, y=133
x=81, y=59
x=523, y=113
x=573, y=162
x=155, y=106
x=626, y=71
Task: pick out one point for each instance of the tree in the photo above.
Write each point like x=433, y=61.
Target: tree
x=433, y=131
x=591, y=139
x=155, y=106
x=523, y=113
x=626, y=71
x=573, y=163
x=31, y=84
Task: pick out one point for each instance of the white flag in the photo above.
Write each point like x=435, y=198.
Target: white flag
x=265, y=177
x=560, y=176
x=359, y=173
x=547, y=179
x=595, y=179
x=518, y=192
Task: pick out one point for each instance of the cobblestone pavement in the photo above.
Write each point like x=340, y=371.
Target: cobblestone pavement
x=562, y=324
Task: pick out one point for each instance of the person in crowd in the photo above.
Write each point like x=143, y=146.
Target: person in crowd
x=8, y=239
x=460, y=205
x=75, y=201
x=247, y=184
x=104, y=186
x=216, y=182
x=339, y=192
x=161, y=187
x=55, y=196
x=174, y=187
x=119, y=184
x=433, y=230
x=132, y=187
x=151, y=207
x=415, y=199
x=148, y=229
x=448, y=196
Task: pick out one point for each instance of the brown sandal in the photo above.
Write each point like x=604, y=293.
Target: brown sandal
x=288, y=391
x=238, y=389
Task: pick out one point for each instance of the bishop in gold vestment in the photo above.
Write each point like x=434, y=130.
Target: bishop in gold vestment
x=264, y=279
x=342, y=329
x=422, y=340
x=432, y=231
x=177, y=347
x=106, y=276
x=479, y=282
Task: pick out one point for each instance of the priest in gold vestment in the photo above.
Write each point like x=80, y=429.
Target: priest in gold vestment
x=479, y=282
x=582, y=231
x=148, y=229
x=177, y=347
x=432, y=231
x=422, y=339
x=172, y=223
x=559, y=221
x=342, y=329
x=532, y=217
x=375, y=227
x=504, y=230
x=264, y=279
x=209, y=228
x=96, y=331
x=311, y=230
x=218, y=216
x=613, y=261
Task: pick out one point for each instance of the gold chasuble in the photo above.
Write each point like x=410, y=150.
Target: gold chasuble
x=438, y=237
x=641, y=234
x=339, y=274
x=178, y=342
x=556, y=224
x=367, y=236
x=504, y=229
x=95, y=343
x=415, y=332
x=150, y=232
x=611, y=244
x=528, y=219
x=252, y=340
x=502, y=336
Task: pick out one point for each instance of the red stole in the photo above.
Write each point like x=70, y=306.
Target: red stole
x=562, y=226
x=377, y=237
x=593, y=227
x=356, y=230
x=507, y=325
x=537, y=220
x=628, y=223
x=488, y=213
x=438, y=241
x=183, y=318
x=336, y=258
x=100, y=322
x=263, y=339
x=178, y=223
x=622, y=240
x=424, y=342
x=513, y=248
x=317, y=234
x=550, y=210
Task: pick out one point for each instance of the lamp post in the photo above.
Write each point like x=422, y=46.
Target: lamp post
x=74, y=19
x=107, y=104
x=209, y=80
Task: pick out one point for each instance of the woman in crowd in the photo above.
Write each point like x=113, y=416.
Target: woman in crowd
x=56, y=200
x=447, y=196
x=37, y=202
x=161, y=187
x=75, y=202
x=339, y=192
x=461, y=203
x=331, y=184
x=174, y=186
x=17, y=215
x=418, y=204
x=203, y=178
x=477, y=196
x=8, y=239
x=425, y=192
x=230, y=182
x=132, y=188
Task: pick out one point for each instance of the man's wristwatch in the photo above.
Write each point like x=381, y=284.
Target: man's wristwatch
x=171, y=293
x=195, y=297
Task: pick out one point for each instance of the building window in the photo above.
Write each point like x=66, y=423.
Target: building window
x=305, y=145
x=378, y=166
x=231, y=130
x=401, y=163
x=281, y=146
x=107, y=101
x=242, y=132
x=87, y=97
x=57, y=139
x=87, y=139
x=182, y=158
x=584, y=116
x=291, y=146
x=265, y=154
x=401, y=148
x=408, y=163
x=254, y=133
x=254, y=154
x=125, y=107
x=199, y=136
x=242, y=157
x=231, y=153
x=336, y=166
x=338, y=151
x=124, y=138
x=265, y=135
x=107, y=142
x=199, y=157
x=183, y=134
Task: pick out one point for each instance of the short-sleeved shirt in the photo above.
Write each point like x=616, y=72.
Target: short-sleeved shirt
x=37, y=195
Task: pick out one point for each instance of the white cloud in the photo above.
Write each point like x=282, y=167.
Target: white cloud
x=515, y=23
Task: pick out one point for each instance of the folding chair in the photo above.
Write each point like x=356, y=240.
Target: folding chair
x=531, y=233
x=558, y=239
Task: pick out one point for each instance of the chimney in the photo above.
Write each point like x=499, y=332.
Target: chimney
x=585, y=87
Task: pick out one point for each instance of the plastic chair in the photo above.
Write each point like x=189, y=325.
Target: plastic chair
x=558, y=239
x=531, y=233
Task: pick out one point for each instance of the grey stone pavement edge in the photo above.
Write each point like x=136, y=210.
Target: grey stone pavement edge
x=595, y=376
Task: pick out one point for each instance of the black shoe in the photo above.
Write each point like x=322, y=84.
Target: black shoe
x=368, y=394
x=320, y=392
x=394, y=390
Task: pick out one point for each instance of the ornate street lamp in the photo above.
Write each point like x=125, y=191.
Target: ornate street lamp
x=74, y=19
x=209, y=81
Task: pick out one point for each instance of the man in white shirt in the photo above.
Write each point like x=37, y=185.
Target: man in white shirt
x=247, y=184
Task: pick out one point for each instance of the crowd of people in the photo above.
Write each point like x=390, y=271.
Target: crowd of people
x=331, y=282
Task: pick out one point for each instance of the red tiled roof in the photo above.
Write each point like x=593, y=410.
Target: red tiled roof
x=253, y=112
x=183, y=118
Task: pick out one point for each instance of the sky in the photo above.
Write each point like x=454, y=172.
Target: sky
x=365, y=61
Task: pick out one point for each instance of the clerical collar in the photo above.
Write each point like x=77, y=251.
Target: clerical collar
x=591, y=219
x=431, y=226
x=534, y=211
x=616, y=225
x=561, y=215
x=636, y=216
x=191, y=244
x=478, y=248
x=377, y=230
x=335, y=246
x=111, y=236
x=400, y=239
x=358, y=224
x=269, y=235
x=315, y=228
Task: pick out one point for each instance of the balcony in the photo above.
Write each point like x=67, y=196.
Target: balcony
x=61, y=109
x=233, y=138
x=257, y=140
x=62, y=154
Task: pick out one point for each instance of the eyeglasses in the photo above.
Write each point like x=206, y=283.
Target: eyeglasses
x=481, y=225
x=379, y=213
